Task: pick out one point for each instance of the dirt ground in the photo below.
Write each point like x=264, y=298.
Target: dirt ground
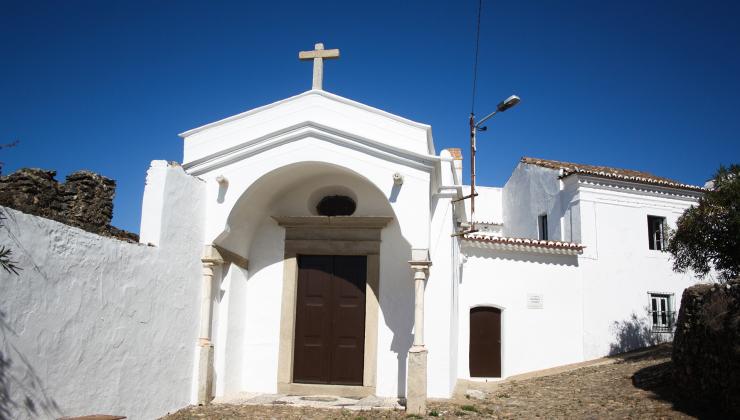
x=636, y=387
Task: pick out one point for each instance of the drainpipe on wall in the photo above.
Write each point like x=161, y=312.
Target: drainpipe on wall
x=211, y=258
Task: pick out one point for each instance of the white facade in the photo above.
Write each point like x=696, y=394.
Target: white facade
x=279, y=160
x=580, y=294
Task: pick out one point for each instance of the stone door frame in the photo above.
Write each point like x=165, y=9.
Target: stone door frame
x=329, y=235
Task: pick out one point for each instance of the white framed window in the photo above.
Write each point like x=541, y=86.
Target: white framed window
x=542, y=227
x=662, y=313
x=656, y=232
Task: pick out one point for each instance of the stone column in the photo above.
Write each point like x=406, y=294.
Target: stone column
x=416, y=389
x=210, y=259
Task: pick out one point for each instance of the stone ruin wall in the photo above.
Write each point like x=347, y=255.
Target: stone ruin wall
x=706, y=347
x=84, y=200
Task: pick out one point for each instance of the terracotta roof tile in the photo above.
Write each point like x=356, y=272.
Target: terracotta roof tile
x=525, y=242
x=568, y=168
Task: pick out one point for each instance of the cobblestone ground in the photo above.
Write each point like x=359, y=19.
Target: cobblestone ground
x=596, y=392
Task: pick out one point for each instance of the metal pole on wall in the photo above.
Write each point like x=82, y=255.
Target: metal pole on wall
x=509, y=102
x=472, y=174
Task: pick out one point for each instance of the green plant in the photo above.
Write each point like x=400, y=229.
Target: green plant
x=434, y=413
x=6, y=255
x=469, y=408
x=708, y=236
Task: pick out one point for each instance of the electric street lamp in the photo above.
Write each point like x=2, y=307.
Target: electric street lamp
x=504, y=105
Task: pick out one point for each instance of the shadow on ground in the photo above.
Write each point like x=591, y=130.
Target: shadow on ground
x=658, y=380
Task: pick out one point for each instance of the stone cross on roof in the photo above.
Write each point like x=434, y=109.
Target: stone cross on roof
x=318, y=55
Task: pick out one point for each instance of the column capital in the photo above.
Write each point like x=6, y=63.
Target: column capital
x=211, y=256
x=420, y=254
x=420, y=259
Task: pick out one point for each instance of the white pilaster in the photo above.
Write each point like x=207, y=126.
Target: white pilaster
x=210, y=259
x=416, y=392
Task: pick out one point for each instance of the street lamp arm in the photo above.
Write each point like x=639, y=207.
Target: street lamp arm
x=484, y=119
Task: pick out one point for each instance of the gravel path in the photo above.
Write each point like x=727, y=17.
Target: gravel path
x=596, y=392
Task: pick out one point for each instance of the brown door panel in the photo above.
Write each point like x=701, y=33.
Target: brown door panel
x=485, y=342
x=330, y=320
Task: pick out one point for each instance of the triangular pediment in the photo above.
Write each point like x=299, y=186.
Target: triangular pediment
x=336, y=118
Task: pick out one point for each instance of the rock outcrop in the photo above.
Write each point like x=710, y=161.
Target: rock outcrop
x=85, y=200
x=706, y=347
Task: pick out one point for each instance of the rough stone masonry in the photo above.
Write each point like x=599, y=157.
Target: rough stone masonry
x=85, y=200
x=706, y=348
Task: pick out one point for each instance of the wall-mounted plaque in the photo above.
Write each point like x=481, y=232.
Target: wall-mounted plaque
x=535, y=301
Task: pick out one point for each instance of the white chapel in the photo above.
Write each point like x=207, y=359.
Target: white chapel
x=334, y=262
x=320, y=246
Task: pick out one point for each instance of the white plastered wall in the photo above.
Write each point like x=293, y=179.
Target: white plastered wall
x=530, y=192
x=97, y=325
x=618, y=267
x=440, y=323
x=531, y=339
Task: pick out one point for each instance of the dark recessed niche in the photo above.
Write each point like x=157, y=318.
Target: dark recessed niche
x=336, y=205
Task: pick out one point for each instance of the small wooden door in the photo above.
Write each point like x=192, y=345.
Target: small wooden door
x=330, y=320
x=485, y=342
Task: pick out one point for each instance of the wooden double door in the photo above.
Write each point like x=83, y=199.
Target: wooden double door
x=330, y=320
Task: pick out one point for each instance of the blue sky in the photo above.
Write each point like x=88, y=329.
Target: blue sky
x=107, y=85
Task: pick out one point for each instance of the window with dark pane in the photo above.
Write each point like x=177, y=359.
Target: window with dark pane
x=542, y=227
x=662, y=312
x=336, y=205
x=656, y=232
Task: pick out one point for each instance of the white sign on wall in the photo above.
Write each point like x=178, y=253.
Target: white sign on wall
x=535, y=301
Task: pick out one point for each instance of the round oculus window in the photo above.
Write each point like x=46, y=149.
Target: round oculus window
x=336, y=205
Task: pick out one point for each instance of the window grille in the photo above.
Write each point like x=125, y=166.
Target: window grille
x=661, y=311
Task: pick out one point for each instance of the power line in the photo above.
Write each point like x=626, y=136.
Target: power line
x=475, y=66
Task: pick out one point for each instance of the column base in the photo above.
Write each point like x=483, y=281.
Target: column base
x=416, y=389
x=205, y=374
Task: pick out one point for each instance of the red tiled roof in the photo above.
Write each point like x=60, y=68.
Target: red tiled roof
x=630, y=175
x=525, y=242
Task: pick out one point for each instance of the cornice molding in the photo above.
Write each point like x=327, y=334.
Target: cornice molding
x=304, y=130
